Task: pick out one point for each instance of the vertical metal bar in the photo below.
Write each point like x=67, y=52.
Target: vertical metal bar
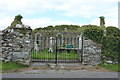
x=46, y=53
x=33, y=49
x=42, y=48
x=60, y=50
x=72, y=51
x=78, y=51
x=65, y=48
x=60, y=42
x=56, y=52
x=48, y=47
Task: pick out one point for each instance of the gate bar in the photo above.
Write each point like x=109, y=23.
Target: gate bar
x=56, y=52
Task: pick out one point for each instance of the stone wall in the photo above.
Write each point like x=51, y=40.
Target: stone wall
x=0, y=45
x=16, y=44
x=91, y=52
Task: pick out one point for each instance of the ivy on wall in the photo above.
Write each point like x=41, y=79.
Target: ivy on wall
x=111, y=47
x=109, y=39
x=94, y=33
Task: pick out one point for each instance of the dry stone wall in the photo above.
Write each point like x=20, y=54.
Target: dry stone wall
x=16, y=46
x=91, y=52
x=1, y=45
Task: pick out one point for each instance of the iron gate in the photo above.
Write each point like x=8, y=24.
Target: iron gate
x=57, y=50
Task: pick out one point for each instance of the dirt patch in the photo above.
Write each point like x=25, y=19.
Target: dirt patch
x=88, y=68
x=81, y=67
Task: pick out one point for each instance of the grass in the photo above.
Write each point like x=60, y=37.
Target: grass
x=5, y=66
x=111, y=67
x=51, y=55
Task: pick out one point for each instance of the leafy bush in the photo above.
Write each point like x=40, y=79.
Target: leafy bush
x=89, y=26
x=94, y=33
x=110, y=42
x=111, y=47
x=112, y=31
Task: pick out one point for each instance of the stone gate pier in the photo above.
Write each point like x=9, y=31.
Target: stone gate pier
x=16, y=44
x=91, y=52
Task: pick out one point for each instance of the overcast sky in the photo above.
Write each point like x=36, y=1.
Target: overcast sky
x=42, y=13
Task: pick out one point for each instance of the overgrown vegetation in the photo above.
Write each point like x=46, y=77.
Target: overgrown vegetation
x=58, y=28
x=112, y=31
x=112, y=67
x=5, y=66
x=17, y=20
x=110, y=40
x=111, y=48
x=94, y=33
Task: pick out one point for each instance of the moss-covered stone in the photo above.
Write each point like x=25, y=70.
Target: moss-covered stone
x=17, y=20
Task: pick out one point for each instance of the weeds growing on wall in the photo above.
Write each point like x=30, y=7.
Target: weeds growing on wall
x=110, y=40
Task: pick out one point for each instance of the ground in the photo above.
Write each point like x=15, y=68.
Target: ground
x=61, y=70
x=46, y=66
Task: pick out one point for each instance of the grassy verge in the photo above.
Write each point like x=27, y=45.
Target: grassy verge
x=111, y=67
x=5, y=66
x=51, y=55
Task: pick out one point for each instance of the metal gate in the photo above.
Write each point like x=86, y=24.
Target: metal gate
x=57, y=50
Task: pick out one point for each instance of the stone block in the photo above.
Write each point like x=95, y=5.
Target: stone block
x=23, y=57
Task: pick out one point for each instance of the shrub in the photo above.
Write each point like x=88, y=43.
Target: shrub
x=110, y=42
x=112, y=31
x=94, y=33
x=110, y=47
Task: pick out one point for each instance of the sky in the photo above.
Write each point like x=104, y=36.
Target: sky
x=42, y=13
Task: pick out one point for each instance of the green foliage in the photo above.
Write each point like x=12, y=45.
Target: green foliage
x=110, y=42
x=48, y=28
x=94, y=33
x=59, y=35
x=111, y=47
x=17, y=20
x=58, y=27
x=112, y=31
x=112, y=67
x=102, y=17
x=68, y=27
x=84, y=27
x=12, y=65
x=89, y=26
